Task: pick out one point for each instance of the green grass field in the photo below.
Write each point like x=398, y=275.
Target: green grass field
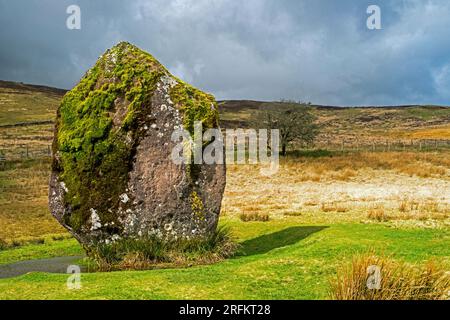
x=277, y=260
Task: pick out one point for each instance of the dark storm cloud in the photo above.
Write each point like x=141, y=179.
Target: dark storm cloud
x=313, y=50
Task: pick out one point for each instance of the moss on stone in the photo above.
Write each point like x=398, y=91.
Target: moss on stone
x=195, y=105
x=94, y=153
x=197, y=206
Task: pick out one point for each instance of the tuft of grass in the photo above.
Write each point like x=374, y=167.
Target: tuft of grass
x=333, y=207
x=254, y=216
x=311, y=203
x=408, y=205
x=22, y=242
x=61, y=237
x=3, y=244
x=377, y=213
x=153, y=252
x=395, y=281
x=292, y=213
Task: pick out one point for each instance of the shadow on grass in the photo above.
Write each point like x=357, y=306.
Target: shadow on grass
x=268, y=242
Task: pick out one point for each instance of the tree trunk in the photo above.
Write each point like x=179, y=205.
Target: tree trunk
x=283, y=150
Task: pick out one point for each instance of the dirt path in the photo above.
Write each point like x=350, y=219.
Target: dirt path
x=53, y=265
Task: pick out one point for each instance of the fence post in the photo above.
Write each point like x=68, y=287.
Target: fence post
x=26, y=147
x=2, y=159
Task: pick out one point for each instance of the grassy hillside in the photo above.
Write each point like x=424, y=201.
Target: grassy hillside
x=351, y=123
x=26, y=118
x=27, y=103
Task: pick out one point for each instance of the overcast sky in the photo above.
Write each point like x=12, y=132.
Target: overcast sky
x=312, y=50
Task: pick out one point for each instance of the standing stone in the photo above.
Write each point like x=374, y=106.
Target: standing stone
x=112, y=173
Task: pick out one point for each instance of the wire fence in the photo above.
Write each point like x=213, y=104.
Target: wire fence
x=385, y=146
x=22, y=152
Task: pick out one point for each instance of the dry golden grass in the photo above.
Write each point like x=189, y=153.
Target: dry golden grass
x=397, y=281
x=432, y=133
x=23, y=201
x=18, y=142
x=346, y=167
x=359, y=186
x=424, y=170
x=408, y=205
x=422, y=210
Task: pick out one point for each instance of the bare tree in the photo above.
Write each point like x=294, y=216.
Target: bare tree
x=294, y=120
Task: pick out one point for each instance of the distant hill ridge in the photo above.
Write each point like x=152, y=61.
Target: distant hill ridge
x=253, y=104
x=30, y=87
x=238, y=104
